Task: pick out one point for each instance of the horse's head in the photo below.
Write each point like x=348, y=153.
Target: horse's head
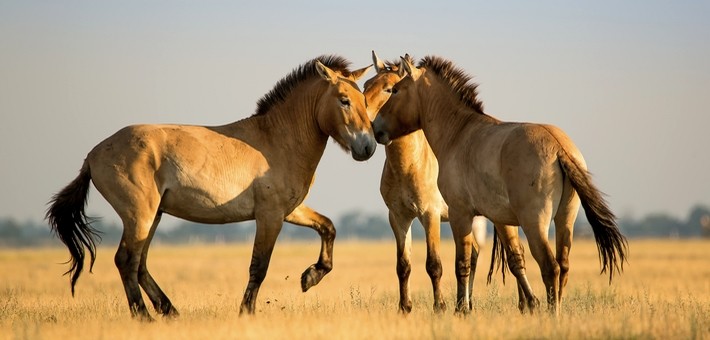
x=342, y=113
x=379, y=88
x=399, y=115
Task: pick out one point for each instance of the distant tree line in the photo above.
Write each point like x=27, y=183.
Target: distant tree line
x=353, y=225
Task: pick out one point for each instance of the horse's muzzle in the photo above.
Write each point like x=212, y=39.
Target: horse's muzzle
x=381, y=135
x=363, y=147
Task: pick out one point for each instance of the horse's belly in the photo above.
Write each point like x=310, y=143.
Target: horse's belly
x=498, y=213
x=199, y=206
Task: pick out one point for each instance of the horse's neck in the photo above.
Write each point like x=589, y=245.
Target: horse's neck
x=294, y=134
x=407, y=151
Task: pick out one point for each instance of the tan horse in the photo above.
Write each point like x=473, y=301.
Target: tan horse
x=408, y=187
x=515, y=174
x=258, y=168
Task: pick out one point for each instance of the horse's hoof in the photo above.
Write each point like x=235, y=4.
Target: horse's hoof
x=310, y=277
x=405, y=308
x=440, y=308
x=462, y=311
x=145, y=318
x=172, y=314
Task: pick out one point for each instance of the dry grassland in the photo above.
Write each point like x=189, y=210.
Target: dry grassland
x=663, y=294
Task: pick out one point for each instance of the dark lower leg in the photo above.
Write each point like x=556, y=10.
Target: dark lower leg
x=401, y=229
x=267, y=230
x=432, y=231
x=515, y=256
x=307, y=217
x=160, y=301
x=127, y=261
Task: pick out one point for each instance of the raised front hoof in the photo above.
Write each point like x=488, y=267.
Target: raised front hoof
x=311, y=277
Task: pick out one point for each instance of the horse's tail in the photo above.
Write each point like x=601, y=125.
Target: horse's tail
x=69, y=222
x=611, y=244
x=498, y=257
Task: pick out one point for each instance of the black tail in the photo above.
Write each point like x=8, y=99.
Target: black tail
x=498, y=257
x=611, y=244
x=69, y=222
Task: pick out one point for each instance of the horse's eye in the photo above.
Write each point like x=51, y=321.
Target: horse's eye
x=388, y=90
x=345, y=101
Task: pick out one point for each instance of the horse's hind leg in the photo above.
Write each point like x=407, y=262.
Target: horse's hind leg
x=307, y=217
x=401, y=227
x=465, y=247
x=564, y=230
x=516, y=263
x=128, y=258
x=542, y=253
x=478, y=226
x=268, y=228
x=160, y=301
x=432, y=229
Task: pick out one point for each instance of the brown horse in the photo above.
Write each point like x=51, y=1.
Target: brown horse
x=258, y=168
x=408, y=187
x=515, y=174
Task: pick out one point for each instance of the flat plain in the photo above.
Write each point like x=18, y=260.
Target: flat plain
x=664, y=293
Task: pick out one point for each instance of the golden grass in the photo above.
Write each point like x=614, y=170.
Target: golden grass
x=663, y=294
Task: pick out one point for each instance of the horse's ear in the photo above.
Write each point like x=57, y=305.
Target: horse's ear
x=401, y=71
x=379, y=65
x=357, y=74
x=408, y=66
x=326, y=73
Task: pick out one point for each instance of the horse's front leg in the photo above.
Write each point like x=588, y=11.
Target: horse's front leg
x=401, y=227
x=465, y=245
x=431, y=221
x=307, y=217
x=267, y=230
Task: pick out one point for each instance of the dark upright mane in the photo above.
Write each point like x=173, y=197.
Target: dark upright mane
x=457, y=79
x=395, y=65
x=305, y=71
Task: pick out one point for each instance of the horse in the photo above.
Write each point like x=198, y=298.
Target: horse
x=514, y=174
x=259, y=168
x=408, y=187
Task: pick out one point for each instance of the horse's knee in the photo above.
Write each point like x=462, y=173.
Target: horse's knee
x=463, y=268
x=553, y=270
x=564, y=266
x=433, y=267
x=404, y=268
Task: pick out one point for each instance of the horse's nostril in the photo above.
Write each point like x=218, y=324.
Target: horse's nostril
x=370, y=148
x=380, y=136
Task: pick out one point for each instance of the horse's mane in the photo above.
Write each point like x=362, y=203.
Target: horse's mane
x=305, y=71
x=457, y=79
x=394, y=65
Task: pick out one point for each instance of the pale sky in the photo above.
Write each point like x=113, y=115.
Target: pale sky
x=629, y=82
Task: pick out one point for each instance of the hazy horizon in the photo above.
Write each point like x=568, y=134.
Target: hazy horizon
x=627, y=81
